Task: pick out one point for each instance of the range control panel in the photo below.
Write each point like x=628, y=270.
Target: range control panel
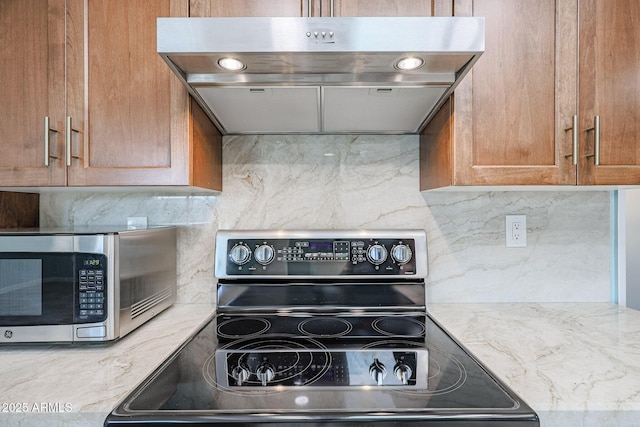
x=323, y=368
x=320, y=256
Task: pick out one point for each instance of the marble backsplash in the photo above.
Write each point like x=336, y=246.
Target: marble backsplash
x=349, y=181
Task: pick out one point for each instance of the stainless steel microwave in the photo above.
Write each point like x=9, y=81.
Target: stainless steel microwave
x=83, y=285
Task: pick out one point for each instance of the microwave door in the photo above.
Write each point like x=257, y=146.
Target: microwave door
x=42, y=295
x=36, y=288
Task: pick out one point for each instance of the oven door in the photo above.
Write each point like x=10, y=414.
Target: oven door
x=44, y=293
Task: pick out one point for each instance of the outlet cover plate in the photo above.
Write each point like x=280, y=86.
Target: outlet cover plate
x=516, y=231
x=135, y=222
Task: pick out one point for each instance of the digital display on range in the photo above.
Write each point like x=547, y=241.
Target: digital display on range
x=326, y=247
x=322, y=250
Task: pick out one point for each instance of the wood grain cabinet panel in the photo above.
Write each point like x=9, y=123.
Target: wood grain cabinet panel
x=19, y=210
x=135, y=119
x=32, y=86
x=512, y=117
x=119, y=117
x=609, y=84
x=258, y=8
x=506, y=126
x=318, y=8
x=377, y=7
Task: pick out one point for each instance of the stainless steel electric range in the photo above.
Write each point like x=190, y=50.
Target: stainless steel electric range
x=322, y=328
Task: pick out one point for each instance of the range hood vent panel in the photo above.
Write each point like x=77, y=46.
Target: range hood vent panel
x=310, y=55
x=378, y=110
x=260, y=110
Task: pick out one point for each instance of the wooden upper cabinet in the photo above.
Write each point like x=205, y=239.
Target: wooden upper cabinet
x=609, y=82
x=134, y=123
x=117, y=114
x=301, y=8
x=508, y=114
x=32, y=89
x=512, y=117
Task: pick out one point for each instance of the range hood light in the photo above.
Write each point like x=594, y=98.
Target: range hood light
x=231, y=64
x=409, y=63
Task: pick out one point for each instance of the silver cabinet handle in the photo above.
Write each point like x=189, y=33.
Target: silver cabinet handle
x=46, y=140
x=68, y=141
x=596, y=125
x=574, y=137
x=69, y=129
x=47, y=147
x=310, y=7
x=596, y=138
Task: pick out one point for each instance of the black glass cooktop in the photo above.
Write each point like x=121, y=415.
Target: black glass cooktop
x=348, y=369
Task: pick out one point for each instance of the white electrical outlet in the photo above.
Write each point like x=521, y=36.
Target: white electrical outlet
x=516, y=231
x=134, y=222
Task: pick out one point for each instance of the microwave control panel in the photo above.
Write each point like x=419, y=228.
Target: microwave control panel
x=91, y=303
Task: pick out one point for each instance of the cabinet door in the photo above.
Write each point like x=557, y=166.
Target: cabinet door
x=128, y=111
x=514, y=111
x=32, y=88
x=609, y=88
x=518, y=102
x=376, y=7
x=266, y=8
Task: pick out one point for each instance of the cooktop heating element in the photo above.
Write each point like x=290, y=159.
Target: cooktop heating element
x=322, y=328
x=320, y=351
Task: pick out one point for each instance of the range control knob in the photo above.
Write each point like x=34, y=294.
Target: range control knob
x=377, y=254
x=401, y=253
x=264, y=254
x=377, y=371
x=403, y=372
x=240, y=374
x=265, y=373
x=240, y=254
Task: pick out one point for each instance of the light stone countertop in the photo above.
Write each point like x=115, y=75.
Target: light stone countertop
x=79, y=385
x=576, y=364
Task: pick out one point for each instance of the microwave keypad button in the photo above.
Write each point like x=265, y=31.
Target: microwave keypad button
x=95, y=312
x=91, y=296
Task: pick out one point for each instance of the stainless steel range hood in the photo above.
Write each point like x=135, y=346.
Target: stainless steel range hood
x=320, y=75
